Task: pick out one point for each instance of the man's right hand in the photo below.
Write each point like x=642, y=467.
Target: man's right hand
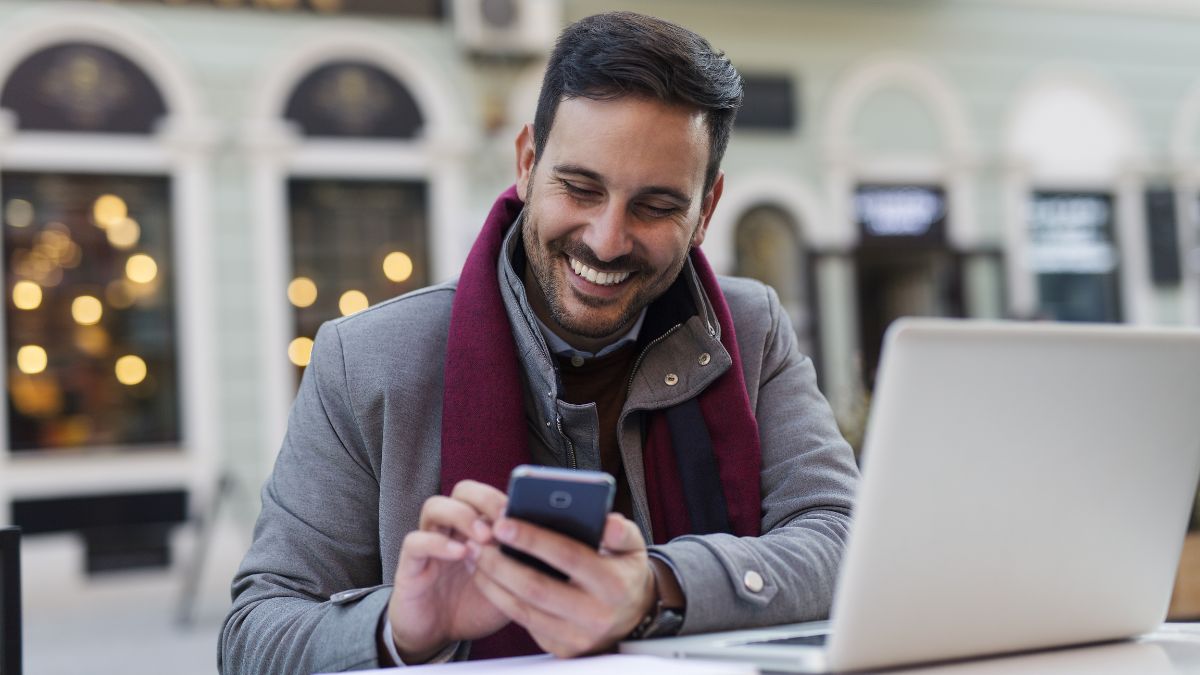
x=434, y=601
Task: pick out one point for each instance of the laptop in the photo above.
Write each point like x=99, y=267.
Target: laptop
x=1025, y=486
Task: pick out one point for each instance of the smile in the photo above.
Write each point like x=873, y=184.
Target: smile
x=598, y=278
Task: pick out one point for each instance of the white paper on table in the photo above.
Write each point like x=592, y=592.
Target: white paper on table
x=591, y=665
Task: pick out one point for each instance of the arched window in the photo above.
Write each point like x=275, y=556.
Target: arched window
x=1075, y=147
x=82, y=87
x=351, y=99
x=356, y=238
x=90, y=322
x=768, y=248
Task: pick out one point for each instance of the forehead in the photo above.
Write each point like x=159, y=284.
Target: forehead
x=631, y=140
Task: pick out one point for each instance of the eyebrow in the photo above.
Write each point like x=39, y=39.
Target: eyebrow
x=662, y=190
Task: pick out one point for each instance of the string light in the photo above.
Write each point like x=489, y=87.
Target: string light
x=27, y=295
x=109, y=210
x=352, y=301
x=31, y=359
x=87, y=310
x=141, y=268
x=300, y=351
x=302, y=292
x=130, y=370
x=124, y=235
x=397, y=266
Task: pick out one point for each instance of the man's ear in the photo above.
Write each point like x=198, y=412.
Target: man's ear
x=708, y=207
x=526, y=159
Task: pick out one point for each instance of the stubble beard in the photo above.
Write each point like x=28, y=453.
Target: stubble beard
x=555, y=289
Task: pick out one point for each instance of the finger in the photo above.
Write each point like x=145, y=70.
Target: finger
x=560, y=598
x=621, y=535
x=446, y=515
x=552, y=632
x=419, y=547
x=556, y=549
x=484, y=498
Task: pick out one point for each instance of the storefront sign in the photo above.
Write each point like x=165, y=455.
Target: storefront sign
x=1071, y=233
x=901, y=212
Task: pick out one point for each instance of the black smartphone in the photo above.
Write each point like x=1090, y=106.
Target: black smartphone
x=569, y=501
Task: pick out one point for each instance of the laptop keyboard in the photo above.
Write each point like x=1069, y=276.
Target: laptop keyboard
x=816, y=640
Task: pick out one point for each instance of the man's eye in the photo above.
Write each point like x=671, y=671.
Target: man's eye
x=577, y=191
x=658, y=211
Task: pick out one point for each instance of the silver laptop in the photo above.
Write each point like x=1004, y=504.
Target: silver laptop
x=1024, y=486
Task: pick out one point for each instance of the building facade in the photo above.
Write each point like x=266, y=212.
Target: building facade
x=190, y=188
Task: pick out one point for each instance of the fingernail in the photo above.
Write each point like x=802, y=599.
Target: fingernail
x=455, y=548
x=482, y=531
x=473, y=550
x=505, y=530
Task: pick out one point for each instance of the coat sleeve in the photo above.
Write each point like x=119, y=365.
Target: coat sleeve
x=808, y=480
x=308, y=596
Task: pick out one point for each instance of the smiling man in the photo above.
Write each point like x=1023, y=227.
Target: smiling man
x=586, y=331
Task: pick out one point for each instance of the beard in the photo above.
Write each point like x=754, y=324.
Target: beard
x=586, y=315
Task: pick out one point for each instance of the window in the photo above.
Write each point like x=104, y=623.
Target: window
x=357, y=238
x=352, y=99
x=1074, y=256
x=90, y=326
x=82, y=87
x=1164, y=242
x=768, y=103
x=354, y=243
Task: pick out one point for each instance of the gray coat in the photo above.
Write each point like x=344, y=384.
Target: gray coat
x=362, y=453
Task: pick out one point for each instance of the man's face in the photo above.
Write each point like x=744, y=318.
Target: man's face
x=611, y=210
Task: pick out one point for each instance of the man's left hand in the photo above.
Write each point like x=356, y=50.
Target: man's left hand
x=608, y=593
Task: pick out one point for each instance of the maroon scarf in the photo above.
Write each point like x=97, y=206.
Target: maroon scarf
x=483, y=416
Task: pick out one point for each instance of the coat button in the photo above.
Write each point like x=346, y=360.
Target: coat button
x=705, y=359
x=577, y=360
x=753, y=581
x=671, y=379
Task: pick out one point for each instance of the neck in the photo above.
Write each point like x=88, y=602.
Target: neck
x=537, y=301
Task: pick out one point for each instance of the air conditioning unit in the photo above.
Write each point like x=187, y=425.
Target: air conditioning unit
x=507, y=27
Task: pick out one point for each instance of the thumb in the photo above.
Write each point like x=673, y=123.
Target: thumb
x=621, y=535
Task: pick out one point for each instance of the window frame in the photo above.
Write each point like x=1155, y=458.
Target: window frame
x=178, y=150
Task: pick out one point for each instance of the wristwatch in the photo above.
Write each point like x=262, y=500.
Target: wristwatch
x=660, y=621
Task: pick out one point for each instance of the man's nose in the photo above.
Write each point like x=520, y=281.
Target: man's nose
x=607, y=235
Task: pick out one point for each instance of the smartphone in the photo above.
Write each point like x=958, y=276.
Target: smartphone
x=569, y=501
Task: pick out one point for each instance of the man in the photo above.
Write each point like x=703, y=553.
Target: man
x=585, y=331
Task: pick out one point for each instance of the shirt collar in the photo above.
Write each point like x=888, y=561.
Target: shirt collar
x=560, y=347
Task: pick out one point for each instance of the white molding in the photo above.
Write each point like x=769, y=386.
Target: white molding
x=440, y=110
x=785, y=191
x=106, y=153
x=1083, y=78
x=1187, y=208
x=953, y=167
x=1187, y=9
x=1122, y=181
x=111, y=27
x=277, y=151
x=97, y=472
x=1185, y=128
x=180, y=149
x=906, y=72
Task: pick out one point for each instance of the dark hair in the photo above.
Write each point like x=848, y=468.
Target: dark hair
x=616, y=54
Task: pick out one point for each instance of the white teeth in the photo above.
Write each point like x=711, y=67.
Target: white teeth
x=598, y=278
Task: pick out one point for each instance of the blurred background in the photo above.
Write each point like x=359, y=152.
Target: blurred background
x=190, y=187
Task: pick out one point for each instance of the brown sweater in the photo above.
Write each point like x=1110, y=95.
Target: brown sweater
x=605, y=382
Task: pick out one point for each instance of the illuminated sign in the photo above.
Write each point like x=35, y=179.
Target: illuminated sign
x=1071, y=233
x=900, y=212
